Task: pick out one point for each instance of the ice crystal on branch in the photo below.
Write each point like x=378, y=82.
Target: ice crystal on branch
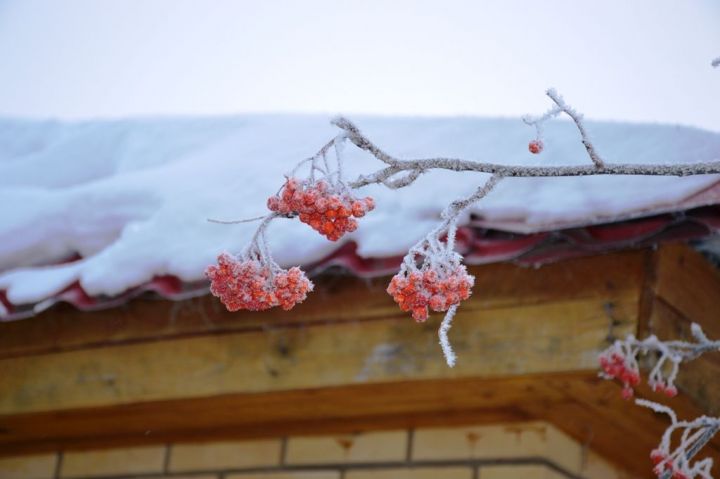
x=620, y=361
x=675, y=462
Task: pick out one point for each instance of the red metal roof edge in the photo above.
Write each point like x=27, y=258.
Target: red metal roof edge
x=479, y=246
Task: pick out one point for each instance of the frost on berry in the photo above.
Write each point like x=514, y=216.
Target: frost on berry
x=535, y=146
x=328, y=209
x=436, y=287
x=617, y=364
x=247, y=283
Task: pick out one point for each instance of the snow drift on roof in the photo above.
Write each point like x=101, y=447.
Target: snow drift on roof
x=131, y=198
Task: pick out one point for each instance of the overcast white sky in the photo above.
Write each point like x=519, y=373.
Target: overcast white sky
x=640, y=60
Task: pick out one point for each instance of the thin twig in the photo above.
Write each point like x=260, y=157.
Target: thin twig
x=457, y=206
x=704, y=439
x=577, y=118
x=234, y=222
x=447, y=349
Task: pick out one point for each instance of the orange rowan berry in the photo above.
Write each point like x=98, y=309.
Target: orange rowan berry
x=419, y=314
x=309, y=198
x=358, y=209
x=273, y=203
x=327, y=227
x=535, y=146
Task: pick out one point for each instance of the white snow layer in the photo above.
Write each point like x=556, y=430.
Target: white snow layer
x=132, y=197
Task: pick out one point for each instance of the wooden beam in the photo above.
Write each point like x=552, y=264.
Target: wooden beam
x=337, y=409
x=697, y=378
x=156, y=372
x=690, y=284
x=687, y=290
x=542, y=338
x=617, y=429
x=336, y=299
x=588, y=409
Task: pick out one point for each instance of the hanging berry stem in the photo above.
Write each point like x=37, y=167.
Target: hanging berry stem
x=578, y=119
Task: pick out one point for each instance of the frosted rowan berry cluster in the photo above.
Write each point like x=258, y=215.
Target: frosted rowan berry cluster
x=326, y=210
x=250, y=284
x=663, y=465
x=620, y=362
x=616, y=365
x=437, y=289
x=677, y=464
x=676, y=461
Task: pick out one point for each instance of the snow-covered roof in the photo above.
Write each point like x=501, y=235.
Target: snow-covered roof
x=111, y=205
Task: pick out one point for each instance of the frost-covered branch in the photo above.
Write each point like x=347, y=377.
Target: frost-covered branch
x=416, y=167
x=432, y=276
x=676, y=461
x=236, y=222
x=620, y=361
x=716, y=62
x=508, y=171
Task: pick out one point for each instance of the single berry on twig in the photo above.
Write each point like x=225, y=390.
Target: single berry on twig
x=535, y=146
